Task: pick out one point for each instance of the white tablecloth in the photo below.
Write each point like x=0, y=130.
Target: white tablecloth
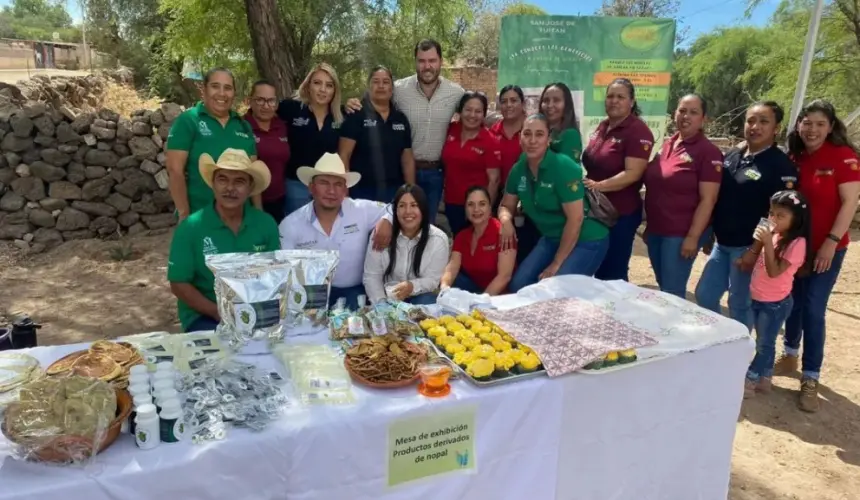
x=661, y=430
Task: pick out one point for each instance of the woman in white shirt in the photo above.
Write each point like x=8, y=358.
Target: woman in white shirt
x=411, y=268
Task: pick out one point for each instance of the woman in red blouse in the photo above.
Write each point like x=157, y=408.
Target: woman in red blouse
x=478, y=264
x=507, y=130
x=829, y=178
x=471, y=157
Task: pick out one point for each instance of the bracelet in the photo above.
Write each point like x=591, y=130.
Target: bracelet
x=833, y=237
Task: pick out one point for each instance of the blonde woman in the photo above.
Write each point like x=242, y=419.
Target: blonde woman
x=313, y=117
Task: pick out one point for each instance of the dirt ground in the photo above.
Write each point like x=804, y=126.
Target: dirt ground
x=79, y=293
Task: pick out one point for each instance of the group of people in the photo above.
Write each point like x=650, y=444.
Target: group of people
x=367, y=178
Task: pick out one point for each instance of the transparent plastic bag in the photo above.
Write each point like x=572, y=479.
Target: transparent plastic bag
x=63, y=419
x=317, y=373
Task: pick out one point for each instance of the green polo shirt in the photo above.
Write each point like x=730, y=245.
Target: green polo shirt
x=198, y=132
x=568, y=143
x=204, y=233
x=559, y=181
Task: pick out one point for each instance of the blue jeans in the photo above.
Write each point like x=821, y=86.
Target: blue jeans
x=616, y=265
x=768, y=318
x=527, y=237
x=721, y=275
x=465, y=283
x=456, y=215
x=431, y=181
x=806, y=322
x=585, y=259
x=382, y=195
x=423, y=299
x=670, y=268
x=201, y=324
x=297, y=196
x=350, y=293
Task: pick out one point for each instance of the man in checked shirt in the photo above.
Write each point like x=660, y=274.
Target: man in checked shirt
x=429, y=101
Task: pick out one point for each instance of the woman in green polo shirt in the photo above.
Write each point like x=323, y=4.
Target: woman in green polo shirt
x=549, y=186
x=210, y=127
x=556, y=104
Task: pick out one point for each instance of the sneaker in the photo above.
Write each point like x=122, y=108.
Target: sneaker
x=809, y=395
x=749, y=389
x=765, y=384
x=785, y=365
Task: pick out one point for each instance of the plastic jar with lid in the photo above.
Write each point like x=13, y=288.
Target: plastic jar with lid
x=147, y=433
x=172, y=425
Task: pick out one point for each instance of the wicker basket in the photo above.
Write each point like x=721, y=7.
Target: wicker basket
x=69, y=448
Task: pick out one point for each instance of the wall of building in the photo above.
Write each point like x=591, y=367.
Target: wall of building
x=476, y=78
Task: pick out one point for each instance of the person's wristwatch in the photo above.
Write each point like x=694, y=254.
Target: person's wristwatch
x=833, y=237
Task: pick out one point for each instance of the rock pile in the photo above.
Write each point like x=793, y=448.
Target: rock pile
x=68, y=175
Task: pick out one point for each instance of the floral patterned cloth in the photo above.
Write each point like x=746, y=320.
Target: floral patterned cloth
x=569, y=333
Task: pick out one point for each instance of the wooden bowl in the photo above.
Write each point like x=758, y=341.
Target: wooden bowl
x=69, y=448
x=420, y=353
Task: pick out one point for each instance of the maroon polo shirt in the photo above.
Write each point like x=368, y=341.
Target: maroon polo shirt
x=672, y=183
x=273, y=149
x=604, y=156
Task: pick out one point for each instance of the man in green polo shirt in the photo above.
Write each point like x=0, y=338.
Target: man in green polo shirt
x=554, y=199
x=227, y=225
x=209, y=127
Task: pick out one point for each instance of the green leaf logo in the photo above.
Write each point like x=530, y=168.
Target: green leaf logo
x=182, y=428
x=141, y=436
x=245, y=317
x=642, y=35
x=297, y=297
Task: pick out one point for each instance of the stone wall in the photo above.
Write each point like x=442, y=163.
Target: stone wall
x=476, y=78
x=70, y=174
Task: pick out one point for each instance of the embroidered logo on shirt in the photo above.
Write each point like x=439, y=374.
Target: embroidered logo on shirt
x=243, y=135
x=399, y=127
x=301, y=122
x=306, y=244
x=478, y=150
x=352, y=228
x=546, y=185
x=615, y=140
x=824, y=171
x=369, y=122
x=209, y=247
x=284, y=139
x=257, y=139
x=523, y=184
x=489, y=248
x=451, y=138
x=646, y=145
x=574, y=186
x=687, y=158
x=752, y=174
x=498, y=154
x=204, y=129
x=259, y=248
x=718, y=165
x=789, y=181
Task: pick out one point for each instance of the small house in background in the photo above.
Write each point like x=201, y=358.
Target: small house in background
x=35, y=54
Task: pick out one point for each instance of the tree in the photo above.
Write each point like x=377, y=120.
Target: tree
x=481, y=45
x=267, y=34
x=37, y=20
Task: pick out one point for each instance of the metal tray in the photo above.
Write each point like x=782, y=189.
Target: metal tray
x=461, y=373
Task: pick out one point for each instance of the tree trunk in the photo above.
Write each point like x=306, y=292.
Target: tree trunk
x=271, y=45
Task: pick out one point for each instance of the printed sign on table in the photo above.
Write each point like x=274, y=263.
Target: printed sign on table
x=431, y=444
x=587, y=53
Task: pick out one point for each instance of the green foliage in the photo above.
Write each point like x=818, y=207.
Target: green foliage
x=37, y=20
x=481, y=44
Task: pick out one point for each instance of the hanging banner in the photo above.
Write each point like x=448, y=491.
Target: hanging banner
x=587, y=53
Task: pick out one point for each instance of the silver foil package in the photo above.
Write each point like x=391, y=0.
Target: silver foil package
x=251, y=294
x=309, y=287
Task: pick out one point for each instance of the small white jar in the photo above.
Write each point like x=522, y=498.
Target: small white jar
x=147, y=433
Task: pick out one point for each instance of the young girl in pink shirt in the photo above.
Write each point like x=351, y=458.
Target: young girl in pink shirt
x=783, y=255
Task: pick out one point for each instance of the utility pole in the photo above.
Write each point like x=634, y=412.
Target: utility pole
x=806, y=63
x=87, y=60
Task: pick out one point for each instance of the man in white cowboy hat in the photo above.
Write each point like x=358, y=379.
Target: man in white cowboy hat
x=230, y=224
x=332, y=221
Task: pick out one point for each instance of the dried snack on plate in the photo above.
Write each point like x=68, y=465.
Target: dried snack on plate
x=117, y=352
x=65, y=363
x=384, y=361
x=96, y=366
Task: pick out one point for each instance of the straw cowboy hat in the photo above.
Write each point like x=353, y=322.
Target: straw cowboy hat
x=238, y=160
x=329, y=164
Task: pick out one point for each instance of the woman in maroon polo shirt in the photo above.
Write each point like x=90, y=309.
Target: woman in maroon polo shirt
x=478, y=264
x=829, y=177
x=681, y=188
x=272, y=146
x=471, y=157
x=615, y=160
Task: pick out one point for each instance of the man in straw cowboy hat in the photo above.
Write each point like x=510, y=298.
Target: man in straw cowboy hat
x=225, y=226
x=332, y=221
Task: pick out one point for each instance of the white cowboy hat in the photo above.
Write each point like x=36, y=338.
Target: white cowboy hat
x=238, y=160
x=329, y=164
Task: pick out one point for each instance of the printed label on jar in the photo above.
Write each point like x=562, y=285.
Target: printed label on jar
x=179, y=429
x=166, y=427
x=141, y=437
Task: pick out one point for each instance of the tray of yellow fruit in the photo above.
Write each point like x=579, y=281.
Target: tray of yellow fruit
x=482, y=351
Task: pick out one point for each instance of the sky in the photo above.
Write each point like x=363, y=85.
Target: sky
x=701, y=16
